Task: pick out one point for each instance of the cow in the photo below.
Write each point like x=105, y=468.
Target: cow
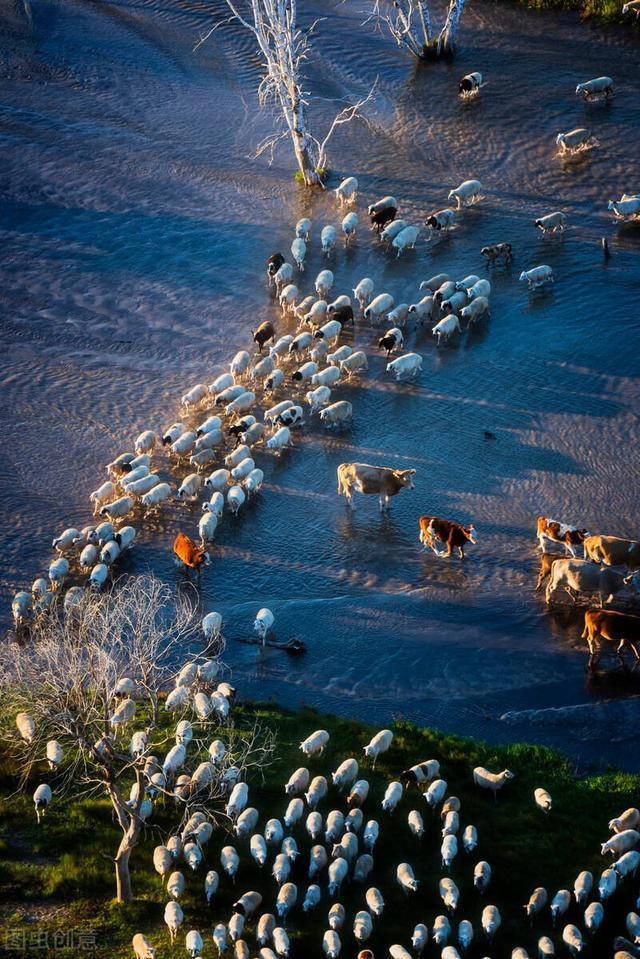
x=546, y=562
x=567, y=536
x=619, y=628
x=381, y=480
x=612, y=550
x=188, y=553
x=581, y=576
x=453, y=535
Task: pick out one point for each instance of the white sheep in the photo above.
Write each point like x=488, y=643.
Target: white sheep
x=379, y=744
x=313, y=826
x=559, y=904
x=102, y=495
x=347, y=191
x=294, y=812
x=287, y=898
x=537, y=901
x=491, y=920
x=467, y=193
x=298, y=252
x=423, y=309
x=363, y=868
x=236, y=497
x=194, y=396
x=281, y=868
x=363, y=291
x=280, y=440
x=338, y=871
x=449, y=893
x=435, y=282
x=479, y=288
x=318, y=398
x=441, y=220
x=481, y=876
x=543, y=800
x=378, y=307
x=263, y=623
x=258, y=849
x=470, y=839
x=406, y=878
x=629, y=819
x=281, y=942
x=370, y=834
x=392, y=230
x=465, y=933
x=229, y=860
x=621, y=842
x=627, y=864
x=303, y=228
x=552, y=222
x=349, y=226
x=173, y=917
x=493, y=781
x=328, y=238
x=317, y=791
x=345, y=774
x=446, y=327
x=593, y=916
x=318, y=860
x=118, y=508
x=572, y=938
x=142, y=948
x=335, y=826
x=283, y=276
x=375, y=902
x=337, y=413
x=288, y=297
x=331, y=944
x=627, y=207
x=405, y=366
x=362, y=926
x=21, y=607
x=392, y=796
x=42, y=797
x=599, y=85
x=474, y=310
x=441, y=930
x=315, y=744
x=406, y=239
x=575, y=141
x=156, y=496
x=194, y=944
x=220, y=937
x=171, y=434
x=273, y=832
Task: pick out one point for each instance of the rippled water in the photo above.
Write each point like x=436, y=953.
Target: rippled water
x=134, y=226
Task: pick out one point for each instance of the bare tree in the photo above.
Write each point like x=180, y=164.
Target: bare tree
x=65, y=677
x=409, y=23
x=285, y=47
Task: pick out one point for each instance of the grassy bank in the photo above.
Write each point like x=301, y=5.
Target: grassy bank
x=58, y=876
x=607, y=11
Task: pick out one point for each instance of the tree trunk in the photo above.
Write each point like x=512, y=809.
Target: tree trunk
x=124, y=891
x=449, y=33
x=302, y=145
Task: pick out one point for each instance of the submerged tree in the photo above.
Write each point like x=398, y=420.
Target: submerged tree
x=285, y=47
x=79, y=680
x=409, y=23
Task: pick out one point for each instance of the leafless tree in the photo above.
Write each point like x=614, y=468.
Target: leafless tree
x=409, y=23
x=65, y=676
x=285, y=47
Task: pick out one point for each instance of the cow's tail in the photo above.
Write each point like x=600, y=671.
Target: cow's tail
x=587, y=624
x=342, y=486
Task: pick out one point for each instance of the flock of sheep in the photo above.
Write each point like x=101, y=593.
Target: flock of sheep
x=325, y=839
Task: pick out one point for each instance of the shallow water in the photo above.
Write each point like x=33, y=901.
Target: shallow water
x=134, y=226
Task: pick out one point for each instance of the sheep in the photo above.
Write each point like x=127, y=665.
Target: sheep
x=331, y=944
x=347, y=848
x=575, y=141
x=347, y=191
x=280, y=440
x=173, y=917
x=142, y=948
x=552, y=222
x=420, y=938
x=446, y=327
x=470, y=84
x=374, y=900
x=21, y=607
x=627, y=864
x=543, y=800
x=474, y=310
x=335, y=826
x=318, y=860
x=336, y=916
x=229, y=860
x=632, y=7
x=354, y=363
x=416, y=823
x=215, y=505
x=281, y=942
x=492, y=781
x=467, y=193
x=423, y=309
x=42, y=797
x=328, y=238
x=449, y=893
x=242, y=470
x=546, y=948
x=237, y=800
x=497, y=251
x=392, y=229
x=220, y=937
x=405, y=878
x=345, y=774
x=258, y=849
x=317, y=791
x=283, y=276
x=628, y=206
x=455, y=303
x=629, y=819
x=329, y=331
x=363, y=291
x=465, y=932
x=186, y=442
x=109, y=553
x=305, y=372
x=190, y=487
x=392, y=796
x=334, y=359
x=470, y=839
x=303, y=228
x=102, y=495
x=435, y=282
x=281, y=869
x=349, y=225
x=572, y=938
x=593, y=916
x=405, y=366
x=288, y=297
x=193, y=397
x=298, y=252
x=273, y=264
x=441, y=930
x=370, y=834
x=537, y=902
x=621, y=842
x=287, y=898
x=121, y=464
x=362, y=926
x=441, y=220
x=236, y=497
x=481, y=876
x=174, y=760
x=443, y=292
x=241, y=404
x=227, y=396
x=156, y=496
x=599, y=85
x=363, y=867
x=171, y=434
x=263, y=622
x=406, y=239
x=273, y=832
x=491, y=920
x=162, y=861
x=559, y=904
x=194, y=943
x=118, y=508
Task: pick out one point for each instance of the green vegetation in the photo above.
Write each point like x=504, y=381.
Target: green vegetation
x=59, y=876
x=609, y=11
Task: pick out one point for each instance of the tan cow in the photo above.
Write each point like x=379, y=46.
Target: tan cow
x=612, y=550
x=379, y=480
x=619, y=628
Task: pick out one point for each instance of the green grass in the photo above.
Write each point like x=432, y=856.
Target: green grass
x=57, y=876
x=609, y=11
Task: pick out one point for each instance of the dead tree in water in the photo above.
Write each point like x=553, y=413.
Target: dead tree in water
x=409, y=23
x=285, y=47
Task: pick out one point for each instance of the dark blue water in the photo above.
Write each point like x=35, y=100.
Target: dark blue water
x=134, y=225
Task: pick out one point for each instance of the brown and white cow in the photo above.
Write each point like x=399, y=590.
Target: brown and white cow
x=567, y=536
x=381, y=481
x=612, y=550
x=619, y=628
x=188, y=553
x=453, y=535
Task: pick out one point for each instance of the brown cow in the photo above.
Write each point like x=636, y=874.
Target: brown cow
x=568, y=536
x=612, y=550
x=619, y=628
x=453, y=535
x=190, y=555
x=380, y=480
x=263, y=334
